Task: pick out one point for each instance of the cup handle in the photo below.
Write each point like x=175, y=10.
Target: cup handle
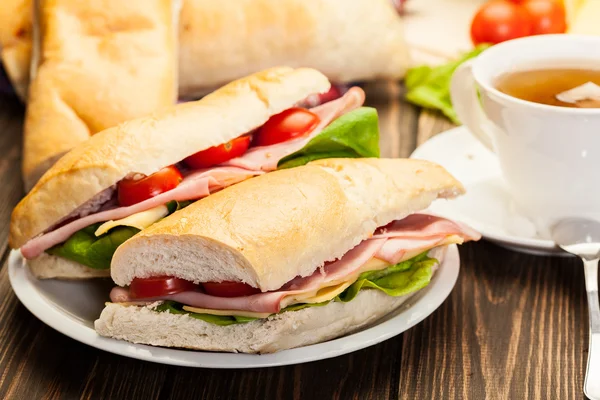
x=463, y=94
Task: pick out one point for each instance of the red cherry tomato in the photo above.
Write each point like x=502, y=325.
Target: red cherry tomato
x=547, y=16
x=132, y=190
x=285, y=126
x=498, y=21
x=143, y=288
x=219, y=154
x=229, y=289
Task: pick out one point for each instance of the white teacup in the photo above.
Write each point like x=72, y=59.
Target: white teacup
x=549, y=155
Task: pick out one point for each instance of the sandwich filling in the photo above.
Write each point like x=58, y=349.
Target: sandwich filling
x=90, y=236
x=395, y=260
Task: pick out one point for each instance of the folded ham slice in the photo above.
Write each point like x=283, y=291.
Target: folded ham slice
x=201, y=183
x=418, y=232
x=424, y=226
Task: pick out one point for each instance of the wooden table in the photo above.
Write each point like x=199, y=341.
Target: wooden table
x=514, y=327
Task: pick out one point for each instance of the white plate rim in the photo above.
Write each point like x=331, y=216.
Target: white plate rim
x=427, y=301
x=536, y=246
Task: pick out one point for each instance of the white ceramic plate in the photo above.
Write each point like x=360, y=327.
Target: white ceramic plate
x=486, y=206
x=71, y=307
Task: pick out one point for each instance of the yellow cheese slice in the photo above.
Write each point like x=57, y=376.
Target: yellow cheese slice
x=226, y=313
x=584, y=19
x=140, y=220
x=318, y=296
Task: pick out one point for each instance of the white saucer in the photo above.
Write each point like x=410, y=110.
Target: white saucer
x=486, y=206
x=71, y=307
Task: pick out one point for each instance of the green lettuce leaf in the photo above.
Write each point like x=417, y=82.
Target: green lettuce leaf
x=398, y=280
x=300, y=306
x=429, y=87
x=353, y=135
x=96, y=252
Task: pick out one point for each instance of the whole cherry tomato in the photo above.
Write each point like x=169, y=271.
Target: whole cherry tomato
x=498, y=21
x=547, y=16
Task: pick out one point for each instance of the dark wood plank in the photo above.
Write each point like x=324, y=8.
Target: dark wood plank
x=430, y=123
x=398, y=119
x=514, y=327
x=11, y=121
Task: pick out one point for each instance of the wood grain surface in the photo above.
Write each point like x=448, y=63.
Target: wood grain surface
x=514, y=327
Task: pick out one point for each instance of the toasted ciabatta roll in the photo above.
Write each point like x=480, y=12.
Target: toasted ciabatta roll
x=222, y=41
x=95, y=65
x=341, y=234
x=89, y=201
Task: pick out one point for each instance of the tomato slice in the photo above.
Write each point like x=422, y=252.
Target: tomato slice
x=498, y=21
x=219, y=154
x=229, y=289
x=285, y=126
x=143, y=288
x=134, y=190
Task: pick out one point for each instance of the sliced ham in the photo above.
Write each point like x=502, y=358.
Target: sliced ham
x=339, y=269
x=418, y=232
x=265, y=158
x=394, y=249
x=422, y=226
x=194, y=186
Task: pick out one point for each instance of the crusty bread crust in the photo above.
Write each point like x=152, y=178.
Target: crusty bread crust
x=365, y=41
x=48, y=266
x=283, y=331
x=145, y=145
x=284, y=224
x=95, y=65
